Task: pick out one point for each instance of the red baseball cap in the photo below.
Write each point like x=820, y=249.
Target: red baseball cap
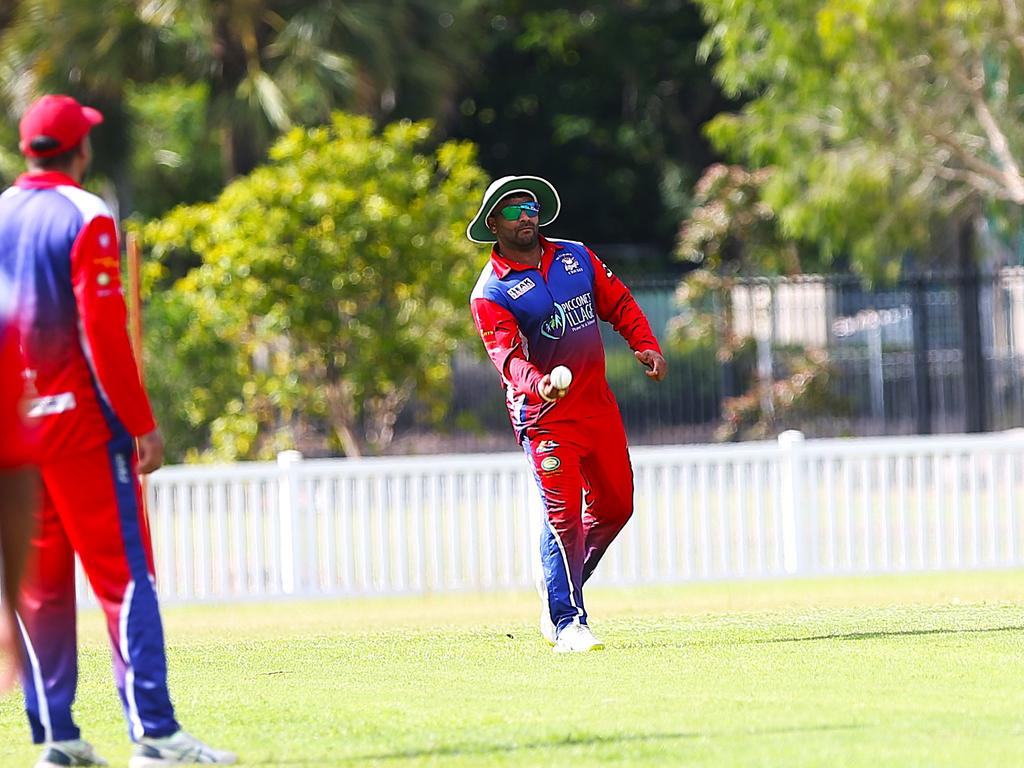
x=61, y=119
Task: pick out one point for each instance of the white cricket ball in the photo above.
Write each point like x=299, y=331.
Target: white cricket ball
x=561, y=377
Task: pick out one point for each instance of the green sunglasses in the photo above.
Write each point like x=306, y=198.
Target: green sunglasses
x=512, y=212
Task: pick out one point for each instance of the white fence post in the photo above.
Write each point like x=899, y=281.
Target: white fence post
x=793, y=558
x=288, y=506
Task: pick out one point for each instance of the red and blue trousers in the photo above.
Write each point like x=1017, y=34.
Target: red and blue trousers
x=91, y=506
x=585, y=478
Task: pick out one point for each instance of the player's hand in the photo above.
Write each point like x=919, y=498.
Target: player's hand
x=549, y=391
x=8, y=652
x=151, y=452
x=655, y=364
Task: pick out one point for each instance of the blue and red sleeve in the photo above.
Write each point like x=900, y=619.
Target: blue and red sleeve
x=503, y=341
x=616, y=305
x=96, y=279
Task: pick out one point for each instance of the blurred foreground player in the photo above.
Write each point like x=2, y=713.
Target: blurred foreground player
x=96, y=432
x=536, y=306
x=17, y=491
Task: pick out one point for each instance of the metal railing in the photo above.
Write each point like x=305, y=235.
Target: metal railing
x=933, y=353
x=445, y=523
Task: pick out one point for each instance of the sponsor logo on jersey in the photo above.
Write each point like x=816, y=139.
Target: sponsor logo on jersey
x=554, y=326
x=576, y=313
x=521, y=287
x=572, y=266
x=50, y=405
x=550, y=463
x=607, y=270
x=546, y=446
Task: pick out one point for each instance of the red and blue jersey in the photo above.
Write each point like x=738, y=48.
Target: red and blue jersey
x=59, y=251
x=532, y=320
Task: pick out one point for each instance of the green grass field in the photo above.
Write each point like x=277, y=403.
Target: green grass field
x=898, y=671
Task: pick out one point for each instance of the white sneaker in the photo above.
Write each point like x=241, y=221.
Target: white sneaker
x=179, y=748
x=60, y=754
x=547, y=626
x=577, y=638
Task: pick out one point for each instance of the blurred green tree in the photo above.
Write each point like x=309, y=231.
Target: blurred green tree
x=607, y=100
x=174, y=159
x=733, y=233
x=877, y=118
x=331, y=285
x=264, y=64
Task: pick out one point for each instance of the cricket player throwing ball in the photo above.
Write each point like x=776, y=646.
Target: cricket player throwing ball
x=536, y=307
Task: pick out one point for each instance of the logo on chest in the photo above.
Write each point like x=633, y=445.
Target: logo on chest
x=576, y=313
x=521, y=287
x=572, y=266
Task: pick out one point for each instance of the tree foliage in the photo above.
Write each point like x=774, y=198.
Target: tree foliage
x=876, y=116
x=264, y=65
x=606, y=99
x=331, y=285
x=731, y=234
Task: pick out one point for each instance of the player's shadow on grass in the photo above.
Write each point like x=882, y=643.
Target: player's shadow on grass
x=576, y=741
x=888, y=633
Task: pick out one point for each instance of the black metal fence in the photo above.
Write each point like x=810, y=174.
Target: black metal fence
x=936, y=353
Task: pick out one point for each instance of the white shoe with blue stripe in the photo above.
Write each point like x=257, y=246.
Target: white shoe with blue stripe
x=58, y=754
x=179, y=748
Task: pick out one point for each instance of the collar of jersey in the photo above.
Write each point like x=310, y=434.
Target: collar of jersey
x=503, y=266
x=45, y=179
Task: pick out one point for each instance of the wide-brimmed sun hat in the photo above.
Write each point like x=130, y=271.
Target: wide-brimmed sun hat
x=541, y=190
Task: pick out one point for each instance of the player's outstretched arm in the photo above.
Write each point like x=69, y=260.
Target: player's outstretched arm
x=654, y=362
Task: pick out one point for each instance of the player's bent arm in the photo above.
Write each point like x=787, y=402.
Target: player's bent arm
x=616, y=305
x=96, y=279
x=500, y=334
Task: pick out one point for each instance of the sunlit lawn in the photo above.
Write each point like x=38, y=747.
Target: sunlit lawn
x=900, y=671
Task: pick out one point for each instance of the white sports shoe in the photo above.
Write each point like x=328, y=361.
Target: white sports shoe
x=577, y=638
x=60, y=754
x=179, y=748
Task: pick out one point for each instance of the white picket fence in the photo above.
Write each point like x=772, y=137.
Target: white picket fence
x=445, y=523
